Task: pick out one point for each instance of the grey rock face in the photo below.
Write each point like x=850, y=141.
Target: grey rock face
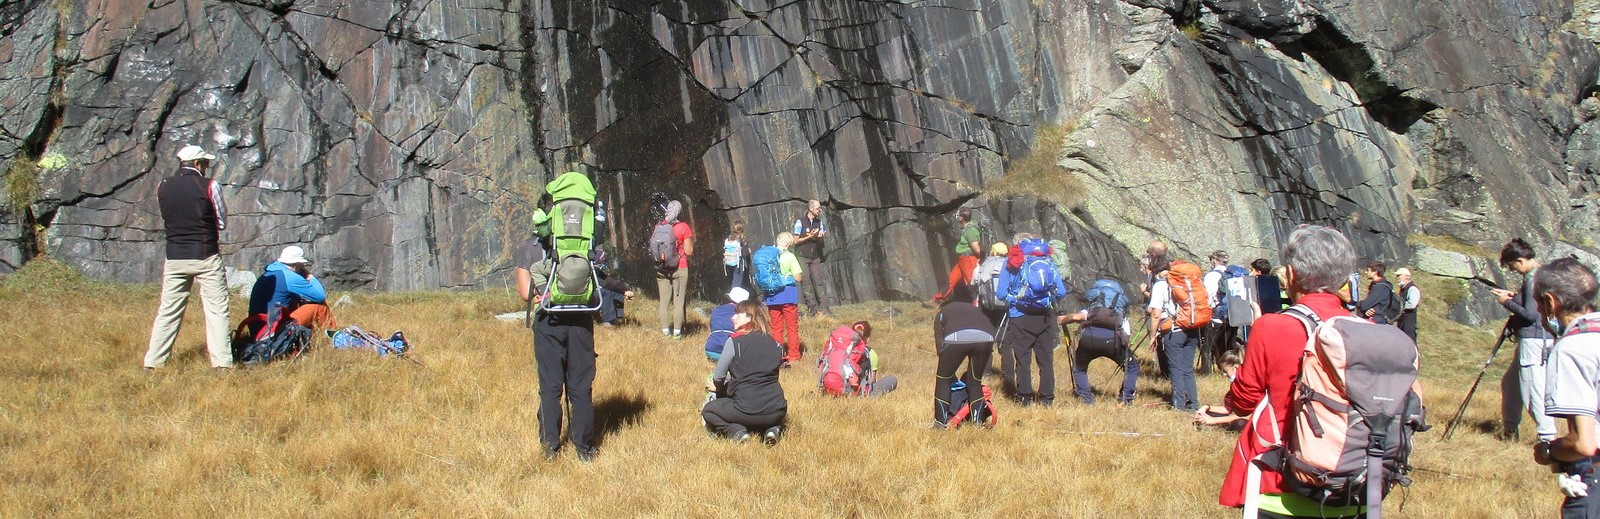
x=405, y=142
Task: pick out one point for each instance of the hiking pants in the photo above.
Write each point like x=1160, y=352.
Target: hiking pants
x=611, y=306
x=1180, y=347
x=725, y=418
x=951, y=355
x=814, y=287
x=786, y=329
x=1408, y=324
x=314, y=316
x=959, y=286
x=672, y=289
x=1033, y=337
x=1092, y=344
x=1008, y=356
x=735, y=275
x=563, y=347
x=1584, y=507
x=178, y=278
x=1523, y=387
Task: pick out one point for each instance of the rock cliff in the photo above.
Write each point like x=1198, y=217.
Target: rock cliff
x=404, y=142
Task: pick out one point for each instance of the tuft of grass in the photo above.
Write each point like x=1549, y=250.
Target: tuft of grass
x=1040, y=173
x=43, y=273
x=22, y=185
x=85, y=432
x=1191, y=30
x=1452, y=244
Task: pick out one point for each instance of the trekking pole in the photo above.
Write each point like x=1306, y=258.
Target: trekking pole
x=375, y=342
x=1451, y=427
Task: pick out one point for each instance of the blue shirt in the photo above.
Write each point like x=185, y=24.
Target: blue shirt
x=281, y=285
x=721, y=328
x=1008, y=276
x=790, y=295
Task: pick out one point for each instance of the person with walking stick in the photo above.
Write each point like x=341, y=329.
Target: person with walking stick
x=1565, y=290
x=1523, y=384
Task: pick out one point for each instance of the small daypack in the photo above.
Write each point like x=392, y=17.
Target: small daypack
x=986, y=284
x=664, y=248
x=289, y=340
x=1233, y=297
x=1033, y=288
x=839, y=370
x=1108, y=293
x=1187, y=285
x=1348, y=437
x=1393, y=305
x=768, y=275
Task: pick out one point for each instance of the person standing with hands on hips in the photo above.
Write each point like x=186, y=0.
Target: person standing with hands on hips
x=809, y=232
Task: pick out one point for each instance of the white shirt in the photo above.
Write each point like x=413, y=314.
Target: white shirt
x=1572, y=376
x=1212, y=281
x=1161, y=299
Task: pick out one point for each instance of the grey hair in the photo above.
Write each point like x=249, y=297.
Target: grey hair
x=1321, y=258
x=784, y=240
x=1570, y=282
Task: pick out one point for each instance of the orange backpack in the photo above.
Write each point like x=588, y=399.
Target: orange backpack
x=1186, y=283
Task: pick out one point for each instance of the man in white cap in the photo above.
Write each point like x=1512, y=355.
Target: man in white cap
x=289, y=286
x=1410, y=297
x=194, y=215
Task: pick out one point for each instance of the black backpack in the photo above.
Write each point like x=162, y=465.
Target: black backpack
x=290, y=340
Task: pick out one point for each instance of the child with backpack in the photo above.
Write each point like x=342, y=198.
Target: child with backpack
x=735, y=254
x=1032, y=331
x=671, y=245
x=777, y=273
x=1287, y=382
x=748, y=395
x=848, y=366
x=962, y=334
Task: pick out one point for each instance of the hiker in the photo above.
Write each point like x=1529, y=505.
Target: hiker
x=962, y=333
x=558, y=286
x=1523, y=384
x=672, y=243
x=1566, y=292
x=1410, y=299
x=1215, y=337
x=614, y=298
x=1031, y=330
x=1317, y=259
x=778, y=274
x=1104, y=333
x=194, y=216
x=746, y=381
x=1380, y=304
x=1178, y=313
x=1269, y=288
x=848, y=366
x=809, y=232
x=1152, y=251
x=735, y=255
x=288, y=286
x=722, y=322
x=968, y=250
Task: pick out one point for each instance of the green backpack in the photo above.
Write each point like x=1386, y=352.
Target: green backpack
x=572, y=282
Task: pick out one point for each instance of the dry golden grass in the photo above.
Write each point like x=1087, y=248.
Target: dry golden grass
x=85, y=432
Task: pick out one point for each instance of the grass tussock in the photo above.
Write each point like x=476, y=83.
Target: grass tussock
x=1040, y=173
x=22, y=184
x=84, y=432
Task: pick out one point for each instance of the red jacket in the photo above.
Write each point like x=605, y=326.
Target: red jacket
x=1271, y=366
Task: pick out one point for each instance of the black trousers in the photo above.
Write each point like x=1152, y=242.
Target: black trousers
x=951, y=355
x=563, y=347
x=723, y=417
x=1408, y=324
x=1034, y=337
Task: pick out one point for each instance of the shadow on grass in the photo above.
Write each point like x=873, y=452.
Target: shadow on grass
x=613, y=412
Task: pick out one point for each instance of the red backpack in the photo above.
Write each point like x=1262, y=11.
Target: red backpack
x=1186, y=283
x=839, y=366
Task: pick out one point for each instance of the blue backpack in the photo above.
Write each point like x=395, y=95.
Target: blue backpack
x=769, y=277
x=1107, y=293
x=1034, y=286
x=1231, y=272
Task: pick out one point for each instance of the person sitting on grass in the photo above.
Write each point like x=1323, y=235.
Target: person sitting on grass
x=722, y=323
x=746, y=380
x=848, y=366
x=289, y=284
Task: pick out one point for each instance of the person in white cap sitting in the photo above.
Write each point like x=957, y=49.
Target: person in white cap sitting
x=193, y=214
x=722, y=323
x=289, y=284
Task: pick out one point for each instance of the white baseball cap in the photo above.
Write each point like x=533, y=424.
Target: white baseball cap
x=293, y=255
x=192, y=152
x=738, y=295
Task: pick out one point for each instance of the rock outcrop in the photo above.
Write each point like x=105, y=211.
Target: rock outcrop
x=405, y=142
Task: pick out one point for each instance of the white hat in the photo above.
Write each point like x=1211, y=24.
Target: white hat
x=192, y=152
x=1402, y=272
x=738, y=295
x=293, y=255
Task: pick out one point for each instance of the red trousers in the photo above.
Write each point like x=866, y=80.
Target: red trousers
x=960, y=280
x=786, y=329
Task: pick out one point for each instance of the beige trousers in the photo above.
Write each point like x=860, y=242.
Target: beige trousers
x=177, y=280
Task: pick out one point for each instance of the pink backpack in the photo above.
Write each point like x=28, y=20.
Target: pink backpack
x=1355, y=408
x=839, y=365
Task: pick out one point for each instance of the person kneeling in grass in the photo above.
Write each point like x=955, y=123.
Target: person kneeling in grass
x=746, y=380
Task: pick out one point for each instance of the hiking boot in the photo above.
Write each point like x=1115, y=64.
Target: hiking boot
x=666, y=332
x=1508, y=436
x=742, y=437
x=607, y=325
x=550, y=453
x=587, y=455
x=772, y=435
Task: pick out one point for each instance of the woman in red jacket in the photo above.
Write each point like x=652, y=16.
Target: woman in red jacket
x=1317, y=259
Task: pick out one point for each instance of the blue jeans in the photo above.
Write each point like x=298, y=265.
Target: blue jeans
x=1180, y=346
x=1583, y=507
x=611, y=304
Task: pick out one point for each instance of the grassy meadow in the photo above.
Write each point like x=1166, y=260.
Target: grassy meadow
x=84, y=432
